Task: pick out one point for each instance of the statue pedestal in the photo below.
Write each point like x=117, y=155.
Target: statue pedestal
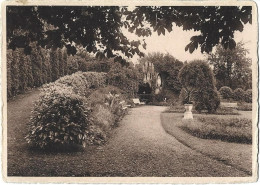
x=188, y=113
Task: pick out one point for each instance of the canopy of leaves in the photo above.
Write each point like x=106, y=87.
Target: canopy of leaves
x=99, y=29
x=232, y=67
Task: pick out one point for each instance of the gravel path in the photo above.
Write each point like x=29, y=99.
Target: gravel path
x=138, y=147
x=141, y=147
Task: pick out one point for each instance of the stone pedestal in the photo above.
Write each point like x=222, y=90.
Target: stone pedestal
x=188, y=113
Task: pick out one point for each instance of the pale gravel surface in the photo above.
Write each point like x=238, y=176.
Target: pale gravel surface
x=138, y=147
x=141, y=147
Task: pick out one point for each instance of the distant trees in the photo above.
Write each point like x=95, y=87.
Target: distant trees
x=232, y=68
x=125, y=78
x=168, y=67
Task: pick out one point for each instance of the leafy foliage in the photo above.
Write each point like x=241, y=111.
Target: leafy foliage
x=58, y=26
x=34, y=70
x=226, y=92
x=60, y=117
x=239, y=94
x=76, y=109
x=198, y=81
x=126, y=78
x=248, y=96
x=232, y=68
x=214, y=23
x=112, y=102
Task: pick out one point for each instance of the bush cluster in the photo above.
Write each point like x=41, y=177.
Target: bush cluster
x=75, y=109
x=226, y=92
x=238, y=94
x=248, y=96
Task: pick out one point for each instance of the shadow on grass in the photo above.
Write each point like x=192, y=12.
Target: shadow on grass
x=69, y=148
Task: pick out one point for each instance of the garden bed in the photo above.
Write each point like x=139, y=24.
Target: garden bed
x=224, y=128
x=238, y=155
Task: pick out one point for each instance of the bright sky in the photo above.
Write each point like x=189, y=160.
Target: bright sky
x=175, y=42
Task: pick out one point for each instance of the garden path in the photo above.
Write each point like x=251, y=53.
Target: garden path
x=141, y=147
x=138, y=147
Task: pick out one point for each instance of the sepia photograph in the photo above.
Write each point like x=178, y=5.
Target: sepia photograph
x=159, y=92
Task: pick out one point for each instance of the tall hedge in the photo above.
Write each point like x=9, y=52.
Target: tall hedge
x=40, y=67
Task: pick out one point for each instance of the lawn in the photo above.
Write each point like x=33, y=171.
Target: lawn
x=23, y=161
x=238, y=155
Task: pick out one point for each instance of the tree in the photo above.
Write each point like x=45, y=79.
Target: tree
x=198, y=83
x=99, y=29
x=168, y=67
x=232, y=67
x=125, y=78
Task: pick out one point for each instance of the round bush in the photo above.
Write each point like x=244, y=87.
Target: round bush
x=198, y=82
x=239, y=94
x=248, y=96
x=60, y=117
x=206, y=99
x=226, y=92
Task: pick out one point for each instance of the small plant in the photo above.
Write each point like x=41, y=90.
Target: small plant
x=226, y=92
x=186, y=95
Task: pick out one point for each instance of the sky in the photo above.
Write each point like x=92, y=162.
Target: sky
x=174, y=43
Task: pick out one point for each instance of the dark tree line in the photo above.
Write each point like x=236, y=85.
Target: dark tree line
x=40, y=67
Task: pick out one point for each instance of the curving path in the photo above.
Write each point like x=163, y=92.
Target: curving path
x=138, y=147
x=141, y=147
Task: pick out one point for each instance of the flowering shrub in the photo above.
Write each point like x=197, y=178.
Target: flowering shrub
x=239, y=94
x=59, y=117
x=110, y=98
x=226, y=92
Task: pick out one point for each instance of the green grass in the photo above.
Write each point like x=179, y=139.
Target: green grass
x=224, y=128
